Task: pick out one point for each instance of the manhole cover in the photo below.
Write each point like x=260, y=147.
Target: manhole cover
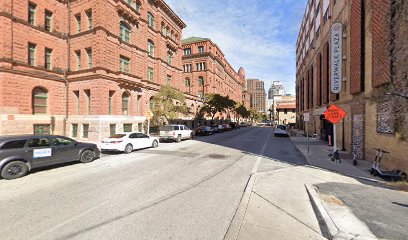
x=216, y=156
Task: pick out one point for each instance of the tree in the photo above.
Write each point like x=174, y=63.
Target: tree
x=254, y=115
x=213, y=104
x=169, y=103
x=242, y=111
x=229, y=107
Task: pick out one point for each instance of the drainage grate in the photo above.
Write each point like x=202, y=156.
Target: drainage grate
x=216, y=156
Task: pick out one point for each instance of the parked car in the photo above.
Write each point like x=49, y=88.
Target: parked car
x=226, y=127
x=243, y=124
x=217, y=128
x=19, y=154
x=281, y=130
x=204, y=131
x=234, y=125
x=127, y=142
x=175, y=133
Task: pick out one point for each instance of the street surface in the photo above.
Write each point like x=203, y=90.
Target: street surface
x=188, y=190
x=385, y=212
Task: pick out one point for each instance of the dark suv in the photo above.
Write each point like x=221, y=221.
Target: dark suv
x=21, y=153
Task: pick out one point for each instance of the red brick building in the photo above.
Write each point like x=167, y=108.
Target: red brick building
x=206, y=70
x=85, y=68
x=374, y=119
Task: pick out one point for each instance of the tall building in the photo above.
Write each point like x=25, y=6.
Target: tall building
x=276, y=89
x=206, y=70
x=85, y=68
x=275, y=93
x=256, y=90
x=350, y=53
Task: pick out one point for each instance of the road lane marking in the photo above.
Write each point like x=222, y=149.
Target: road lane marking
x=258, y=161
x=69, y=220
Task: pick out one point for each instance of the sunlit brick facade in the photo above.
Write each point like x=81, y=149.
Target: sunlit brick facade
x=85, y=68
x=206, y=70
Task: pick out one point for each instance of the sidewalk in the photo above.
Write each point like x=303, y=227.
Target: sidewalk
x=321, y=201
x=276, y=205
x=317, y=156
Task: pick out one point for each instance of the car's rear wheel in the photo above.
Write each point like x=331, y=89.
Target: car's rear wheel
x=87, y=156
x=13, y=170
x=155, y=144
x=128, y=148
x=178, y=139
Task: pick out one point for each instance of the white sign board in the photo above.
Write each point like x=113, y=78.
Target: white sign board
x=336, y=57
x=40, y=153
x=306, y=117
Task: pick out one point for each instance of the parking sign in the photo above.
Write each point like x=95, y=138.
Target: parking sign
x=306, y=117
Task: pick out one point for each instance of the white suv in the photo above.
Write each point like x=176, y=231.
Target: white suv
x=175, y=133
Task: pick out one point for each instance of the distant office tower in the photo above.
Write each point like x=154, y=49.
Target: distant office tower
x=256, y=90
x=276, y=89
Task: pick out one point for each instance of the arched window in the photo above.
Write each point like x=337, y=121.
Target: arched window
x=40, y=100
x=200, y=81
x=187, y=82
x=125, y=103
x=125, y=32
x=150, y=47
x=150, y=20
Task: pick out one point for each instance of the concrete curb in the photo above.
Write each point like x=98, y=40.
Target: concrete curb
x=329, y=229
x=236, y=221
x=308, y=160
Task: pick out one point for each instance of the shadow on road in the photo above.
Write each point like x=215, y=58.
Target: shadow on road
x=258, y=141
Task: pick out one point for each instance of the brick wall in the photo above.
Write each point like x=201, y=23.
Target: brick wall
x=16, y=95
x=381, y=64
x=19, y=79
x=219, y=76
x=325, y=74
x=356, y=46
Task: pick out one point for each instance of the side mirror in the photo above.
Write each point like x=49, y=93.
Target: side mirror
x=76, y=143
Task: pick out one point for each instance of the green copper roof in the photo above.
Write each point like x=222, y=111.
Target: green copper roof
x=194, y=39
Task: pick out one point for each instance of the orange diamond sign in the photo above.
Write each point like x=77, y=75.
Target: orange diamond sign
x=334, y=114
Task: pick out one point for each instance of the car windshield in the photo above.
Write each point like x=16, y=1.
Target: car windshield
x=167, y=128
x=281, y=127
x=117, y=136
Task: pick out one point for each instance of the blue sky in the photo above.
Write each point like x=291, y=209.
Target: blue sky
x=259, y=35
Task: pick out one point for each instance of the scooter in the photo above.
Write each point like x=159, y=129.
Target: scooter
x=335, y=157
x=395, y=175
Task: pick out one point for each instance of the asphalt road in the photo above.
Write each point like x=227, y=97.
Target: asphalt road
x=188, y=190
x=383, y=210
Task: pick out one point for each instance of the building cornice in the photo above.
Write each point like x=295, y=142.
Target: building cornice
x=171, y=13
